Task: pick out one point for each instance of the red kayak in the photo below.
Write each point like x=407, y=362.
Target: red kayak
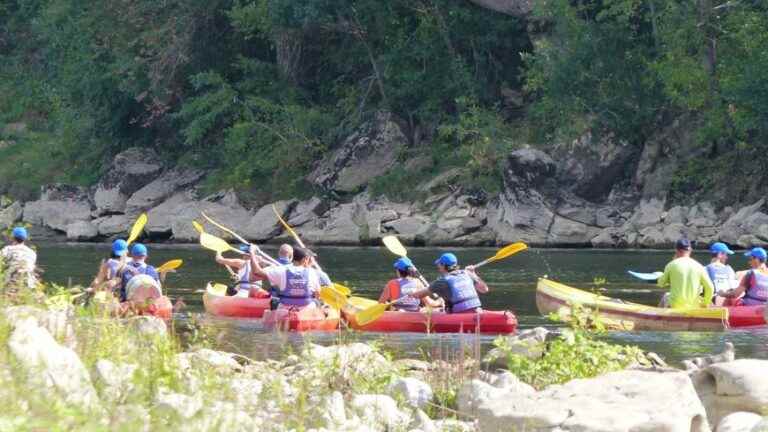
x=302, y=319
x=485, y=322
x=746, y=316
x=234, y=306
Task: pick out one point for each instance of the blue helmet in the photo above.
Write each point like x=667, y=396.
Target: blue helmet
x=139, y=250
x=119, y=247
x=447, y=259
x=403, y=263
x=20, y=233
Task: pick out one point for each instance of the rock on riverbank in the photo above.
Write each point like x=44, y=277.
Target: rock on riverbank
x=597, y=192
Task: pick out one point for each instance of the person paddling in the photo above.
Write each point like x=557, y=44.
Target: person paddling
x=754, y=284
x=297, y=283
x=685, y=277
x=458, y=288
x=110, y=270
x=20, y=261
x=721, y=274
x=137, y=266
x=285, y=254
x=407, y=282
x=246, y=285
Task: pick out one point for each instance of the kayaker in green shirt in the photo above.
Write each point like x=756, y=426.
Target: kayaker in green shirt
x=685, y=277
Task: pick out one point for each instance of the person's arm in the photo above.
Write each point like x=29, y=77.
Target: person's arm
x=480, y=284
x=742, y=288
x=230, y=262
x=709, y=288
x=101, y=276
x=256, y=270
x=663, y=281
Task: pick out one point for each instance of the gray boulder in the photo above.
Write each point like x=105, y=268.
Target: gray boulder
x=306, y=211
x=131, y=170
x=82, y=231
x=739, y=422
x=726, y=388
x=51, y=365
x=648, y=213
x=58, y=207
x=414, y=392
x=148, y=326
x=10, y=215
x=161, y=188
x=567, y=232
x=408, y=228
x=264, y=224
x=115, y=381
x=379, y=411
x=341, y=226
x=366, y=154
x=628, y=400
x=114, y=225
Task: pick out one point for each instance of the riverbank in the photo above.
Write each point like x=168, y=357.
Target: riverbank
x=67, y=367
x=536, y=204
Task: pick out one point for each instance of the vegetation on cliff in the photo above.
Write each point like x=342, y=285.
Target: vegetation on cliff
x=256, y=90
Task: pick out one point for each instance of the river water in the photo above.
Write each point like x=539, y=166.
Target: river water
x=366, y=269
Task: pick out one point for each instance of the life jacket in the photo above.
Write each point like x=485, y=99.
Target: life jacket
x=244, y=281
x=400, y=290
x=283, y=260
x=113, y=266
x=722, y=277
x=132, y=269
x=757, y=288
x=296, y=291
x=463, y=294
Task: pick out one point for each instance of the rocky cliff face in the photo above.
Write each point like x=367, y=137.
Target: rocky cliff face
x=593, y=191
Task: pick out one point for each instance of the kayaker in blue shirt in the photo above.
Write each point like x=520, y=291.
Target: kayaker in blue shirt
x=136, y=267
x=754, y=284
x=407, y=282
x=458, y=288
x=111, y=269
x=722, y=275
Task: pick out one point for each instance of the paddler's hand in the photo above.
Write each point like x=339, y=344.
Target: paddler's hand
x=470, y=269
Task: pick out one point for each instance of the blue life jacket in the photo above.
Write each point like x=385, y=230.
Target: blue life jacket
x=296, y=292
x=722, y=276
x=405, y=302
x=132, y=269
x=463, y=294
x=113, y=265
x=283, y=260
x=757, y=289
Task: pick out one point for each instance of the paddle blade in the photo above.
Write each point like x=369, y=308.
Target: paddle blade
x=138, y=227
x=648, y=277
x=287, y=227
x=214, y=243
x=170, y=265
x=342, y=289
x=361, y=302
x=372, y=313
x=217, y=289
x=198, y=227
x=333, y=298
x=508, y=250
x=393, y=244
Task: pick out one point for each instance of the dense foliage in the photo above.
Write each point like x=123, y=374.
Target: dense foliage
x=257, y=90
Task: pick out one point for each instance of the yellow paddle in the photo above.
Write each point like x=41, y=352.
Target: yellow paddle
x=138, y=227
x=237, y=236
x=199, y=229
x=288, y=227
x=342, y=289
x=374, y=312
x=217, y=289
x=332, y=298
x=216, y=244
x=504, y=252
x=393, y=244
x=170, y=265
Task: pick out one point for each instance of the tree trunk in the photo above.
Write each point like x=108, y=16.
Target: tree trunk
x=289, y=45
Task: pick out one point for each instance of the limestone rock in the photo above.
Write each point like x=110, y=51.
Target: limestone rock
x=366, y=154
x=739, y=422
x=335, y=413
x=82, y=230
x=762, y=426
x=58, y=207
x=161, y=188
x=379, y=411
x=414, y=392
x=740, y=385
x=648, y=214
x=115, y=381
x=148, y=326
x=131, y=170
x=10, y=215
x=627, y=400
x=111, y=226
x=569, y=232
x=728, y=355
x=341, y=226
x=530, y=343
x=264, y=224
x=177, y=405
x=408, y=228
x=131, y=417
x=306, y=211
x=207, y=358
x=52, y=365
